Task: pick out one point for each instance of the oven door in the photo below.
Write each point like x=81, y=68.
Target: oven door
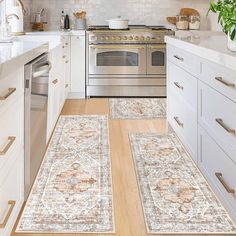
x=156, y=59
x=117, y=59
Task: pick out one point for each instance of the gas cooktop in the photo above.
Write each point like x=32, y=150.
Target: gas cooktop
x=135, y=34
x=131, y=27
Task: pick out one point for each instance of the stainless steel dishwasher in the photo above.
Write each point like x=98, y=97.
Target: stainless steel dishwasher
x=36, y=100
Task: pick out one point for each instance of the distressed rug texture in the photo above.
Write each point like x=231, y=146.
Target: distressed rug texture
x=137, y=108
x=175, y=196
x=73, y=189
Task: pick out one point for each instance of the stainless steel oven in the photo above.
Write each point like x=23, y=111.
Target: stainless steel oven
x=156, y=59
x=117, y=59
x=126, y=63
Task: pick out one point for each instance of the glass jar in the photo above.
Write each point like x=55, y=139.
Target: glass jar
x=194, y=22
x=182, y=22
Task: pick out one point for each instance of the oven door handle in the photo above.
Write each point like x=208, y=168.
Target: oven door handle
x=117, y=47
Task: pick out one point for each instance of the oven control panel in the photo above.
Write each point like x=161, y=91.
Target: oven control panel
x=128, y=37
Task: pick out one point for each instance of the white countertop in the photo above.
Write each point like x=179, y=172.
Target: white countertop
x=19, y=53
x=206, y=44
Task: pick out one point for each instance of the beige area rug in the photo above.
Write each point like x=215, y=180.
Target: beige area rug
x=175, y=196
x=73, y=190
x=137, y=108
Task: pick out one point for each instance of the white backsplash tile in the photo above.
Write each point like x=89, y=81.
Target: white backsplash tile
x=150, y=12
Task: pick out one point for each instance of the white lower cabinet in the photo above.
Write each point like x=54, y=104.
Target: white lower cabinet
x=219, y=169
x=202, y=112
x=11, y=149
x=77, y=86
x=12, y=194
x=184, y=121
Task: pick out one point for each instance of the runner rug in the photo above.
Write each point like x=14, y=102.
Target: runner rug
x=137, y=108
x=73, y=189
x=175, y=196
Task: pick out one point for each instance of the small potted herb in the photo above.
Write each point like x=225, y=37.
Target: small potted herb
x=226, y=10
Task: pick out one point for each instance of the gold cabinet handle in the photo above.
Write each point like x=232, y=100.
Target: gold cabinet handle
x=228, y=84
x=179, y=58
x=11, y=140
x=11, y=204
x=9, y=93
x=178, y=121
x=55, y=81
x=178, y=85
x=63, y=57
x=67, y=85
x=220, y=178
x=66, y=61
x=225, y=127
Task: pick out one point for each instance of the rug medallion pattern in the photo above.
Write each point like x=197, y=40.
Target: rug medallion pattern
x=73, y=190
x=137, y=108
x=175, y=196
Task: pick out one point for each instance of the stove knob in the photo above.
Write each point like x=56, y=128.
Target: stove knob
x=113, y=38
x=148, y=38
x=107, y=38
x=125, y=38
x=131, y=38
x=102, y=38
x=119, y=38
x=136, y=38
x=142, y=38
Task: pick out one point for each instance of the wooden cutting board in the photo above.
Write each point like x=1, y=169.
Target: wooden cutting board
x=185, y=12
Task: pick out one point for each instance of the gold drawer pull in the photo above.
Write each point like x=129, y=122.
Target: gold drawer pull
x=178, y=121
x=221, y=80
x=9, y=93
x=179, y=58
x=11, y=204
x=55, y=81
x=11, y=140
x=178, y=85
x=220, y=178
x=225, y=127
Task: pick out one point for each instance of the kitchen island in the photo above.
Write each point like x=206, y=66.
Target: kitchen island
x=202, y=106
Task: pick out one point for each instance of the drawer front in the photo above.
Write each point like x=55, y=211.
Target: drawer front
x=12, y=195
x=217, y=114
x=11, y=87
x=185, y=60
x=11, y=130
x=184, y=122
x=219, y=170
x=220, y=78
x=183, y=84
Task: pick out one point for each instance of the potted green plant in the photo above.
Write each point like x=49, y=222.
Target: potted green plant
x=226, y=10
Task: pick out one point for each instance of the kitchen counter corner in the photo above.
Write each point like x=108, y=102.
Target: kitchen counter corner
x=19, y=53
x=206, y=44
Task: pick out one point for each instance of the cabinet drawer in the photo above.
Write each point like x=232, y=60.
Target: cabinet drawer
x=218, y=169
x=183, y=85
x=217, y=114
x=220, y=78
x=185, y=60
x=184, y=122
x=11, y=87
x=11, y=130
x=11, y=195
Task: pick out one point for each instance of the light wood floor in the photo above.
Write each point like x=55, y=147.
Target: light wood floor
x=129, y=217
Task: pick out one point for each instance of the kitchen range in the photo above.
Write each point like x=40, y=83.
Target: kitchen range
x=129, y=62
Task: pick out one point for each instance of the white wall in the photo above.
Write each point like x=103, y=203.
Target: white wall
x=150, y=12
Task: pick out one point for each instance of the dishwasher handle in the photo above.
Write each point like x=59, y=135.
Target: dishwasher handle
x=42, y=69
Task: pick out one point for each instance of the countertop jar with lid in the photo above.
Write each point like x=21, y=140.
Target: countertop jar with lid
x=194, y=22
x=182, y=22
